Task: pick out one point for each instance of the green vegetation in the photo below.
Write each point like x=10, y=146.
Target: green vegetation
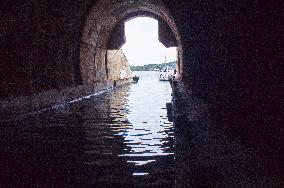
x=152, y=67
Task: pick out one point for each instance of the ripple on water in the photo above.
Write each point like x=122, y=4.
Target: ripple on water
x=119, y=138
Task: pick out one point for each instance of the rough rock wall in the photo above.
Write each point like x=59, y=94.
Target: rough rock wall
x=117, y=65
x=232, y=54
x=39, y=45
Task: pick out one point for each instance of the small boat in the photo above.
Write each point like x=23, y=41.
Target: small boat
x=135, y=79
x=165, y=74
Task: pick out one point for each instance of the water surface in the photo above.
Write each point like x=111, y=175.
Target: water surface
x=121, y=138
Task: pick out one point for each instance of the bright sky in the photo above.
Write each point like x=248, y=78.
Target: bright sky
x=142, y=44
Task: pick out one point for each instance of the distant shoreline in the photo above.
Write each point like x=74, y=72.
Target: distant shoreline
x=153, y=67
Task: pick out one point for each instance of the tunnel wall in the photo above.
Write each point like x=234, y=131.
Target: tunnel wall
x=39, y=45
x=117, y=67
x=51, y=46
x=104, y=30
x=166, y=36
x=230, y=57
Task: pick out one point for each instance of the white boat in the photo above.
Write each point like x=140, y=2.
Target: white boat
x=165, y=75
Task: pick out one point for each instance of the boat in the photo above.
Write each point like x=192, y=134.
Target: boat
x=165, y=74
x=135, y=79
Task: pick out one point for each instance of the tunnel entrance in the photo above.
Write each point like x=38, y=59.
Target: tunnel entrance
x=143, y=50
x=146, y=135
x=104, y=34
x=56, y=53
x=79, y=65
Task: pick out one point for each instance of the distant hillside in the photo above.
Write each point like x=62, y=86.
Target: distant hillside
x=151, y=67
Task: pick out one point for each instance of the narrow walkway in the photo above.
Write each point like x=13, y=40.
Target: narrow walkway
x=205, y=156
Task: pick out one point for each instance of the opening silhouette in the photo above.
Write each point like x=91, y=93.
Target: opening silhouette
x=142, y=45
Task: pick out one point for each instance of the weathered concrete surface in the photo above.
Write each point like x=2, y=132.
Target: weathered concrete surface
x=165, y=35
x=123, y=82
x=118, y=38
x=118, y=71
x=207, y=157
x=14, y=107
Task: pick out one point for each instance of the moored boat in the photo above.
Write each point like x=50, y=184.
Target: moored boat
x=135, y=79
x=165, y=76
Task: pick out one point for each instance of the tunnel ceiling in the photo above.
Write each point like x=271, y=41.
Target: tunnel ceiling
x=165, y=33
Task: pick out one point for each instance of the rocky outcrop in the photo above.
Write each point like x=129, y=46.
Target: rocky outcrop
x=117, y=65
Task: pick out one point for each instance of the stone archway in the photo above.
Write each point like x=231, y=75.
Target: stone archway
x=104, y=30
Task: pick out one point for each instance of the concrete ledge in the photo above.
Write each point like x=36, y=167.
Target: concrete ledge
x=124, y=81
x=14, y=107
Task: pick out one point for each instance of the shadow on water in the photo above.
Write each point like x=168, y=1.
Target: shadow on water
x=120, y=138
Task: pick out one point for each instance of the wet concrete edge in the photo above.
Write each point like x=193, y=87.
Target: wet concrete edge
x=26, y=105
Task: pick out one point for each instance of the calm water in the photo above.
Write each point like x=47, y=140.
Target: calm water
x=121, y=138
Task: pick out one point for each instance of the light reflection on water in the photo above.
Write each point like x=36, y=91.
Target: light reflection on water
x=121, y=138
x=150, y=129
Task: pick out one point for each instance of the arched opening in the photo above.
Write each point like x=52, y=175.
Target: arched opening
x=150, y=134
x=143, y=49
x=104, y=30
x=146, y=139
x=228, y=57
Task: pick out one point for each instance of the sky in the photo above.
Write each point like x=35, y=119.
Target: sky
x=142, y=45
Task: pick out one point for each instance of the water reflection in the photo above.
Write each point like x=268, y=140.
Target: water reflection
x=150, y=131
x=121, y=138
